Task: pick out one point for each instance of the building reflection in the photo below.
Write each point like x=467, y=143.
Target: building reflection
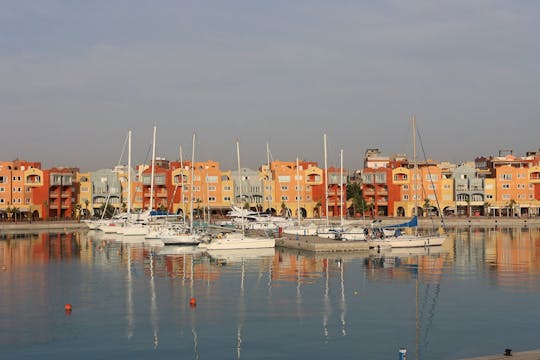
x=510, y=255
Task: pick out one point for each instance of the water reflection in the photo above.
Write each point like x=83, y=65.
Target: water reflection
x=247, y=295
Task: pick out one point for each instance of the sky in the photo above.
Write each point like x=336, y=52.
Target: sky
x=76, y=75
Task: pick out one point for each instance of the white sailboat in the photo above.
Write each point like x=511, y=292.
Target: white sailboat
x=238, y=240
x=399, y=240
x=179, y=234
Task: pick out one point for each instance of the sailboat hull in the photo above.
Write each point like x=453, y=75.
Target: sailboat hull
x=410, y=241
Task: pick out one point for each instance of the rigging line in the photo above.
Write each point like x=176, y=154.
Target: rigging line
x=108, y=188
x=430, y=178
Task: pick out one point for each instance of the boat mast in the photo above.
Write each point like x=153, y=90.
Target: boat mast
x=191, y=181
x=325, y=181
x=129, y=175
x=341, y=190
x=240, y=184
x=153, y=170
x=298, y=191
x=182, y=185
x=415, y=169
x=269, y=182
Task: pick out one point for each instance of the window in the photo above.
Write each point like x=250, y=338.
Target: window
x=405, y=197
x=506, y=186
x=506, y=196
x=2, y=190
x=212, y=179
x=490, y=197
x=507, y=177
x=227, y=188
x=283, y=178
x=405, y=187
x=212, y=199
x=211, y=188
x=432, y=177
x=227, y=198
x=3, y=179
x=432, y=187
x=298, y=198
x=285, y=198
x=298, y=188
x=284, y=188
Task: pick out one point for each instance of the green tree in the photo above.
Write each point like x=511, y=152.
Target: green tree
x=318, y=206
x=354, y=193
x=16, y=212
x=87, y=212
x=426, y=206
x=511, y=206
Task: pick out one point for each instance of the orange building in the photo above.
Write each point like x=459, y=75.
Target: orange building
x=18, y=179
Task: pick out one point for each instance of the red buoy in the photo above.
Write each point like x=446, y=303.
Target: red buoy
x=193, y=302
x=68, y=308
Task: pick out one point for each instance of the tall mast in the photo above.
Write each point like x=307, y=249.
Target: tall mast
x=325, y=181
x=298, y=191
x=415, y=169
x=153, y=170
x=341, y=190
x=269, y=182
x=182, y=185
x=240, y=183
x=129, y=174
x=191, y=185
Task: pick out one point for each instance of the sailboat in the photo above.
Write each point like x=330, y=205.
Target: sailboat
x=398, y=239
x=179, y=234
x=238, y=240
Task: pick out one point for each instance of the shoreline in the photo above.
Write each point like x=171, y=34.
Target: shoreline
x=477, y=221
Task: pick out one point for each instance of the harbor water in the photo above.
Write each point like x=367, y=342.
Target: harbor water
x=477, y=294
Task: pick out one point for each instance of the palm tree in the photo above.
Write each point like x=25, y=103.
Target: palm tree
x=78, y=208
x=86, y=212
x=511, y=206
x=16, y=211
x=426, y=206
x=354, y=192
x=318, y=206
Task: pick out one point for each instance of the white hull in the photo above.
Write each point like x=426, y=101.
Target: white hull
x=409, y=241
x=181, y=239
x=234, y=241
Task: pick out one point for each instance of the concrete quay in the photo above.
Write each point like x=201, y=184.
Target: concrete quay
x=42, y=226
x=524, y=355
x=318, y=244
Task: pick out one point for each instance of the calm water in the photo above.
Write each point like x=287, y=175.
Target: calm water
x=477, y=295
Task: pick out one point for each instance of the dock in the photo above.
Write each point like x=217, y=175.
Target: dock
x=524, y=355
x=319, y=244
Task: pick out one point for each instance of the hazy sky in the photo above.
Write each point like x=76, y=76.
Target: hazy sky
x=75, y=75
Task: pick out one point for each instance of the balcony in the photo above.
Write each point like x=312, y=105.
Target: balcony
x=534, y=178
